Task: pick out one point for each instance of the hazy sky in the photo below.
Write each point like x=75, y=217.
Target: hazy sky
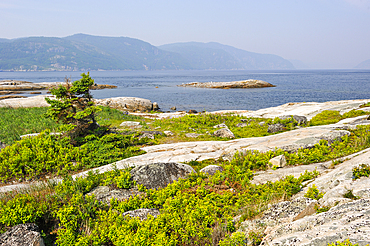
x=321, y=33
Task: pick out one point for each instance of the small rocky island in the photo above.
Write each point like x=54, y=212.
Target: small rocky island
x=250, y=83
x=18, y=87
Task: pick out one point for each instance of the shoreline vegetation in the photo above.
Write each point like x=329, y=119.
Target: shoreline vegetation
x=200, y=208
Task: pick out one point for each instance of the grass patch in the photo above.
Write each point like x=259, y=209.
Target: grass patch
x=15, y=122
x=203, y=124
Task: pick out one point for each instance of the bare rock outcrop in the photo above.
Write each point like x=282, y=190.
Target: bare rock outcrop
x=307, y=109
x=105, y=193
x=224, y=133
x=142, y=213
x=250, y=83
x=21, y=235
x=131, y=104
x=211, y=169
x=159, y=175
x=347, y=221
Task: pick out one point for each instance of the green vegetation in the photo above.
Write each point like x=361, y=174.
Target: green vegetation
x=346, y=242
x=255, y=160
x=20, y=121
x=365, y=105
x=52, y=154
x=204, y=124
x=73, y=106
x=331, y=116
x=314, y=193
x=362, y=170
x=321, y=209
x=15, y=122
x=198, y=210
x=194, y=211
x=350, y=195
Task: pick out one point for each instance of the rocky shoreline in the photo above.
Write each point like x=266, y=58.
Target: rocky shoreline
x=293, y=222
x=250, y=83
x=14, y=86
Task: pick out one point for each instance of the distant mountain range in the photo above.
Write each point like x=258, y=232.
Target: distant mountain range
x=364, y=65
x=86, y=52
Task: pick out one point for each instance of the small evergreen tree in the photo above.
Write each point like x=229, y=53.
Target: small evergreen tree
x=73, y=106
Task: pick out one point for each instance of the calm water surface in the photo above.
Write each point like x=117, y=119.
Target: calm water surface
x=291, y=86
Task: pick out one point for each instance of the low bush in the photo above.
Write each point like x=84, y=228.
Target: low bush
x=52, y=154
x=346, y=242
x=327, y=117
x=193, y=210
x=363, y=170
x=314, y=193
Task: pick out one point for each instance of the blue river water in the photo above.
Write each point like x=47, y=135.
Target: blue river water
x=161, y=86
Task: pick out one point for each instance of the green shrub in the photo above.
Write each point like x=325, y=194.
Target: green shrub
x=73, y=105
x=314, y=193
x=365, y=105
x=354, y=113
x=236, y=239
x=363, y=170
x=331, y=116
x=346, y=242
x=321, y=209
x=350, y=195
x=326, y=117
x=23, y=208
x=52, y=154
x=118, y=178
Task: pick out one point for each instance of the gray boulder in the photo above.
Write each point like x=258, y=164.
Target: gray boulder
x=159, y=175
x=155, y=106
x=21, y=235
x=220, y=126
x=105, y=194
x=192, y=135
x=275, y=128
x=278, y=161
x=129, y=124
x=241, y=124
x=299, y=119
x=150, y=134
x=211, y=169
x=2, y=145
x=224, y=133
x=142, y=213
x=131, y=104
x=168, y=133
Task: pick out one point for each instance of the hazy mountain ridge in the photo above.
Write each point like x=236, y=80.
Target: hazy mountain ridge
x=87, y=52
x=364, y=65
x=232, y=57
